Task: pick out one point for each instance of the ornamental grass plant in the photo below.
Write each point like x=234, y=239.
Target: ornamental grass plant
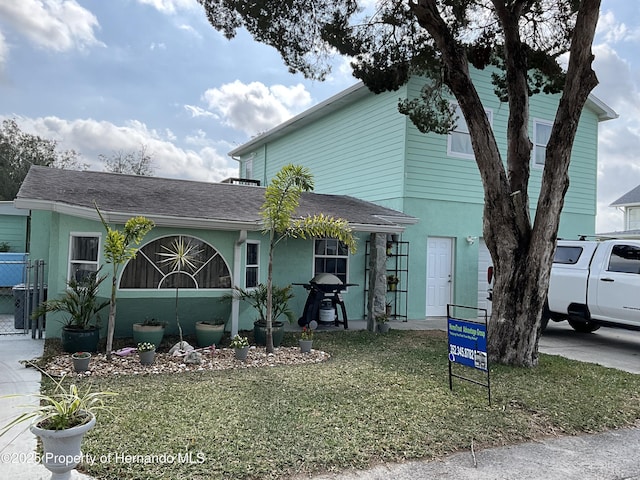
x=381, y=398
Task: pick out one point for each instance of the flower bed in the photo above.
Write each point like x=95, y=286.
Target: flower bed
x=218, y=359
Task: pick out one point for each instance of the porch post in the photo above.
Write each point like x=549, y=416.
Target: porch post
x=237, y=274
x=377, y=288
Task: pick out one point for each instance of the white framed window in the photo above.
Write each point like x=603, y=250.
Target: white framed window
x=248, y=167
x=252, y=265
x=331, y=256
x=541, y=134
x=633, y=218
x=459, y=140
x=84, y=253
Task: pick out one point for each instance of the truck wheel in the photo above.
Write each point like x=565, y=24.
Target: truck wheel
x=546, y=315
x=583, y=327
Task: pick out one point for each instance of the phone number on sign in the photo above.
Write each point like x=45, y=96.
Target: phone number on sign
x=20, y=457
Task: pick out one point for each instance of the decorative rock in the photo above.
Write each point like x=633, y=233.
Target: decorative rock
x=193, y=358
x=180, y=349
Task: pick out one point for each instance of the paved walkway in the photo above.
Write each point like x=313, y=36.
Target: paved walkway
x=608, y=456
x=18, y=446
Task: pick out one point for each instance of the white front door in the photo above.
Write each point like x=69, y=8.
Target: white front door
x=439, y=272
x=484, y=262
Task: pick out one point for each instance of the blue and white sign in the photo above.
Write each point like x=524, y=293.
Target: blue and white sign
x=467, y=343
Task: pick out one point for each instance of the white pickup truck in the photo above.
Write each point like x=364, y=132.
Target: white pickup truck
x=595, y=283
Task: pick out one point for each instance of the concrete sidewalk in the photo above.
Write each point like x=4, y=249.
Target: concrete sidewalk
x=18, y=446
x=611, y=455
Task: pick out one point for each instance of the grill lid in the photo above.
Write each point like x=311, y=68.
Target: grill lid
x=326, y=279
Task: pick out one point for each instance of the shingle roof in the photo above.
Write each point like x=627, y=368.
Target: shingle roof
x=629, y=198
x=168, y=201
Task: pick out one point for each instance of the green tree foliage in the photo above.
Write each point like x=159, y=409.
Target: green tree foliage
x=139, y=162
x=438, y=40
x=20, y=150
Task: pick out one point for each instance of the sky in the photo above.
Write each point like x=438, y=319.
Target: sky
x=102, y=77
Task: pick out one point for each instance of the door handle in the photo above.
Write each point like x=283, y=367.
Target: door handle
x=607, y=280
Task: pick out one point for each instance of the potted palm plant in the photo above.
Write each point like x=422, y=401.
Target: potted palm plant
x=60, y=420
x=257, y=298
x=81, y=304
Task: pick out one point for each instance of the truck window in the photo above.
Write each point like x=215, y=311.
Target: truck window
x=625, y=259
x=567, y=255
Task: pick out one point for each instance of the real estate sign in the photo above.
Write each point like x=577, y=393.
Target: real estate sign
x=467, y=343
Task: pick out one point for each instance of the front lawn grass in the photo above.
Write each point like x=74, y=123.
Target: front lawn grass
x=381, y=398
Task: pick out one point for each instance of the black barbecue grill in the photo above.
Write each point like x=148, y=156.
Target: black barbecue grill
x=324, y=288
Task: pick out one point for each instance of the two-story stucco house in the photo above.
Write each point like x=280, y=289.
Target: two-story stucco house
x=358, y=143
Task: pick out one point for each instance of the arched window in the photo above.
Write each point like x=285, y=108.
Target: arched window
x=157, y=265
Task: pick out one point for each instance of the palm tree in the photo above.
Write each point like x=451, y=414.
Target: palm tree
x=119, y=247
x=282, y=198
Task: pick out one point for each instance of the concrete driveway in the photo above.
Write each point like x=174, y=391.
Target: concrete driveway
x=610, y=347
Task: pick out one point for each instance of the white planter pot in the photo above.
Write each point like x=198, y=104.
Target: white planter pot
x=61, y=448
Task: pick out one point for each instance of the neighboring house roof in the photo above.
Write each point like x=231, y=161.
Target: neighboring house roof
x=350, y=95
x=184, y=203
x=624, y=234
x=630, y=198
x=7, y=208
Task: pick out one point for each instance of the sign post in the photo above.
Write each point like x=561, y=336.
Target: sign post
x=468, y=345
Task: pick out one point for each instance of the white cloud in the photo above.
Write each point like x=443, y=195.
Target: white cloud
x=4, y=51
x=196, y=111
x=254, y=108
x=618, y=168
x=171, y=6
x=191, y=30
x=610, y=29
x=91, y=137
x=58, y=25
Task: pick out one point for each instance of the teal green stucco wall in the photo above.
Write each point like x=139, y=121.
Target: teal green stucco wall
x=293, y=263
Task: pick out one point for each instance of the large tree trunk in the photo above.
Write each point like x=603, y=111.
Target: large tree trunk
x=521, y=253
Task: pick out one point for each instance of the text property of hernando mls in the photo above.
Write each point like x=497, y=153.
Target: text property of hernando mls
x=113, y=457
